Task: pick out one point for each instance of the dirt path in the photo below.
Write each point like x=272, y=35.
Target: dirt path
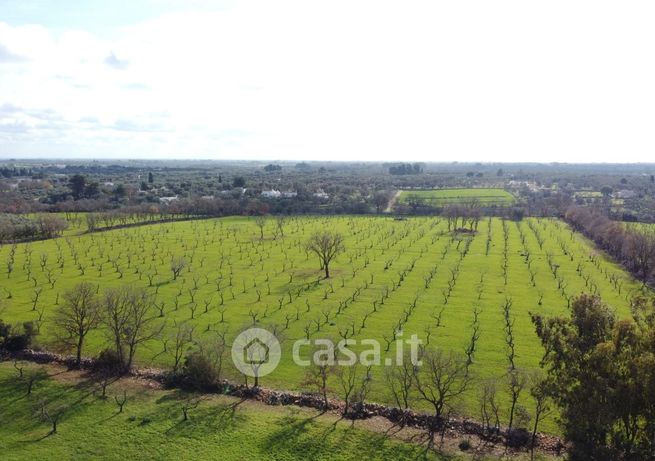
x=392, y=202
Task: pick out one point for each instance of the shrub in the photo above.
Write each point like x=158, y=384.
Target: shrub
x=14, y=339
x=199, y=372
x=108, y=361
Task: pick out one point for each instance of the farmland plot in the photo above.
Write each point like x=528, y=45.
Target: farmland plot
x=443, y=197
x=464, y=292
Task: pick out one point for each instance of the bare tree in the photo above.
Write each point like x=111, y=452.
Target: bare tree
x=280, y=222
x=254, y=361
x=177, y=266
x=51, y=415
x=539, y=394
x=489, y=409
x=78, y=315
x=121, y=401
x=33, y=376
x=182, y=337
x=317, y=376
x=347, y=376
x=260, y=221
x=400, y=379
x=516, y=382
x=326, y=245
x=128, y=314
x=381, y=200
x=442, y=378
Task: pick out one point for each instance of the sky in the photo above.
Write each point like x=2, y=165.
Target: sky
x=491, y=81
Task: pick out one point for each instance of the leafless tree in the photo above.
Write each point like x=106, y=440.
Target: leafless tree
x=540, y=397
x=121, y=401
x=32, y=376
x=128, y=313
x=347, y=376
x=260, y=221
x=443, y=378
x=254, y=362
x=280, y=222
x=78, y=315
x=51, y=415
x=182, y=337
x=516, y=382
x=178, y=264
x=381, y=200
x=326, y=245
x=489, y=409
x=400, y=379
x=317, y=376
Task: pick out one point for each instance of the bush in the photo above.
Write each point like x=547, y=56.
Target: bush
x=199, y=372
x=464, y=445
x=14, y=339
x=108, y=361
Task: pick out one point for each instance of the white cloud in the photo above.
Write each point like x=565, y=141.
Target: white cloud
x=373, y=80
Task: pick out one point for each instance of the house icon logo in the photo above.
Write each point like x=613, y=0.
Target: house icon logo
x=256, y=352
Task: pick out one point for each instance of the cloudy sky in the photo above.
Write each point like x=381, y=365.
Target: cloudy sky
x=334, y=80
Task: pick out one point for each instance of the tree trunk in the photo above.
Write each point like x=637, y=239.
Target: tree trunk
x=78, y=358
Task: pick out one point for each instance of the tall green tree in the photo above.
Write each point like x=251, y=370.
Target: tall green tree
x=77, y=184
x=601, y=373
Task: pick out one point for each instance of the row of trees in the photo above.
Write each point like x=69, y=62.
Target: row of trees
x=17, y=228
x=634, y=249
x=126, y=313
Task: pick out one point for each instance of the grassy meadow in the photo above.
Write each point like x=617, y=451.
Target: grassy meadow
x=151, y=426
x=408, y=277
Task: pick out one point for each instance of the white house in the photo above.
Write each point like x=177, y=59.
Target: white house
x=271, y=193
x=321, y=194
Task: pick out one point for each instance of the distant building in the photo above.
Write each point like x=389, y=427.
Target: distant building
x=271, y=193
x=321, y=194
x=624, y=194
x=168, y=199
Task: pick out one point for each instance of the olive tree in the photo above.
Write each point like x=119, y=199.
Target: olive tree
x=326, y=245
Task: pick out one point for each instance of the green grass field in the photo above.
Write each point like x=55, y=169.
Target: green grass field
x=441, y=197
x=645, y=228
x=278, y=282
x=152, y=426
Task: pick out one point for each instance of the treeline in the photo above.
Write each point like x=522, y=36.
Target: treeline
x=7, y=172
x=19, y=228
x=601, y=373
x=406, y=168
x=634, y=249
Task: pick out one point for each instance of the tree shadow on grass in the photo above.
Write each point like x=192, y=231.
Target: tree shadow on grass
x=292, y=433
x=208, y=418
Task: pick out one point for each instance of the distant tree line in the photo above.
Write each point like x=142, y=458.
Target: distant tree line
x=634, y=249
x=406, y=168
x=7, y=172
